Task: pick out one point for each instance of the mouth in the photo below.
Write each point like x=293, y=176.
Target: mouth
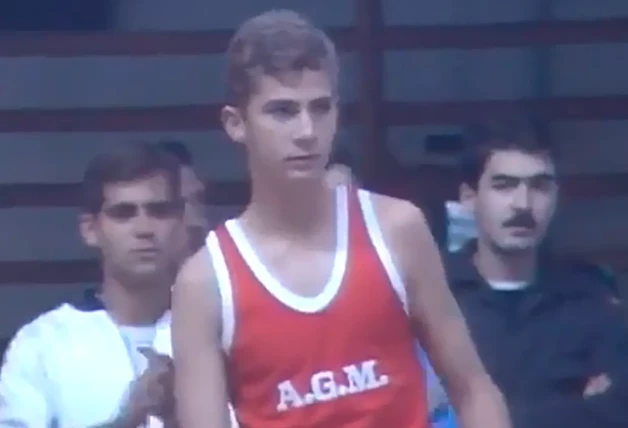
x=146, y=252
x=302, y=158
x=521, y=230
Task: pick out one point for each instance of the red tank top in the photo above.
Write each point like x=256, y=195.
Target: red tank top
x=346, y=358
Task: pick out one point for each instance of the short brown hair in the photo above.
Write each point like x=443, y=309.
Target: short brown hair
x=123, y=163
x=274, y=43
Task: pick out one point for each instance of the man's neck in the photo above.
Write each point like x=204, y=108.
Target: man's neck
x=135, y=306
x=297, y=209
x=495, y=266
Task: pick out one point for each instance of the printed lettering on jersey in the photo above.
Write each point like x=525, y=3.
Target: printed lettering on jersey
x=327, y=385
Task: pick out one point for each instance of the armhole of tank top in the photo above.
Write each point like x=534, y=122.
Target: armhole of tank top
x=225, y=289
x=377, y=239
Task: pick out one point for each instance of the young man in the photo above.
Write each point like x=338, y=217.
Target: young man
x=549, y=331
x=91, y=364
x=312, y=297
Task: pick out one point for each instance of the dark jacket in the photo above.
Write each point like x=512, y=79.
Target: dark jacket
x=541, y=345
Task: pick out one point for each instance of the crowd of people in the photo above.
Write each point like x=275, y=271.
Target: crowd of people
x=322, y=304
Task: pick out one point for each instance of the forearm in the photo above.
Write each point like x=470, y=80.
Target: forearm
x=481, y=405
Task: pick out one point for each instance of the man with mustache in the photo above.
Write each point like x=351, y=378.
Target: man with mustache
x=549, y=332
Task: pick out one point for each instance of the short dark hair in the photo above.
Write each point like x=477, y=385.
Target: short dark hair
x=519, y=131
x=274, y=43
x=123, y=163
x=178, y=150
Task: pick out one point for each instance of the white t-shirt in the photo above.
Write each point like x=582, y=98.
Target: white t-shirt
x=136, y=338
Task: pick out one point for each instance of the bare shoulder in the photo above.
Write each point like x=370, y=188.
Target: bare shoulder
x=196, y=271
x=399, y=219
x=196, y=289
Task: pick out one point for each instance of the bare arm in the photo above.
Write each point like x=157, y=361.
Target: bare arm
x=200, y=384
x=437, y=319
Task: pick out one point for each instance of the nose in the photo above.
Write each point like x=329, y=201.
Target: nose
x=522, y=197
x=143, y=226
x=305, y=127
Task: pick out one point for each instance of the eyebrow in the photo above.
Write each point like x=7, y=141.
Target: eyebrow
x=125, y=204
x=279, y=101
x=545, y=176
x=284, y=101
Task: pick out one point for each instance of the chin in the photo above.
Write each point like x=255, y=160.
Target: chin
x=517, y=247
x=147, y=271
x=304, y=176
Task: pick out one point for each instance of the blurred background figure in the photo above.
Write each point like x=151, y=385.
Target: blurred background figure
x=461, y=227
x=195, y=221
x=92, y=363
x=341, y=168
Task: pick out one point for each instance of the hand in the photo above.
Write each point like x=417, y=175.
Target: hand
x=152, y=392
x=597, y=385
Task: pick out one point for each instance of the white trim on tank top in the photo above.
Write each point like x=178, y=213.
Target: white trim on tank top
x=225, y=289
x=284, y=295
x=377, y=239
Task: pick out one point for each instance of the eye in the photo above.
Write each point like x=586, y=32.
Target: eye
x=283, y=110
x=542, y=184
x=165, y=209
x=505, y=184
x=321, y=107
x=122, y=211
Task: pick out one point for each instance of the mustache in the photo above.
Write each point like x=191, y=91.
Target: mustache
x=522, y=219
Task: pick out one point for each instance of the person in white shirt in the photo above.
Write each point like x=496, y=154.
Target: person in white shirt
x=92, y=364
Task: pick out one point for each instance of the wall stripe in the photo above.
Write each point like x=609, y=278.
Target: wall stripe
x=60, y=45
x=490, y=11
x=610, y=30
x=203, y=117
x=586, y=147
x=118, y=81
x=461, y=112
x=200, y=14
x=106, y=81
x=176, y=118
x=49, y=272
x=511, y=34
